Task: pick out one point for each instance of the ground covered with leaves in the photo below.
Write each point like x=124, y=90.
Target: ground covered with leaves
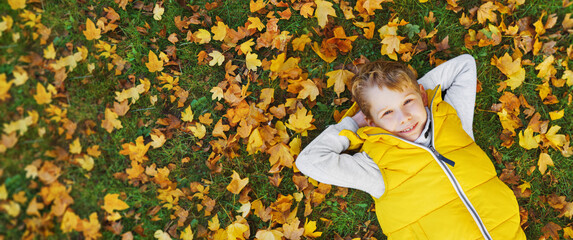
x=182, y=118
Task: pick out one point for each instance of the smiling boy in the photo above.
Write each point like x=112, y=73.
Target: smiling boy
x=417, y=157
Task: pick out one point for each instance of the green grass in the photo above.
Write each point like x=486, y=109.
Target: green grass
x=85, y=95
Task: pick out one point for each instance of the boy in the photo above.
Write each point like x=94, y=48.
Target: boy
x=417, y=158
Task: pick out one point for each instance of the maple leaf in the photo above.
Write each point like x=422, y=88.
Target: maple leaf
x=309, y=90
x=91, y=31
x=544, y=161
x=110, y=121
x=309, y=229
x=86, y=162
x=75, y=147
x=252, y=61
x=198, y=130
x=17, y=4
x=256, y=5
x=154, y=64
x=187, y=114
x=161, y=235
x=509, y=121
x=300, y=122
x=554, y=115
x=237, y=184
x=550, y=230
x=556, y=140
x=219, y=31
x=485, y=12
x=245, y=47
x=280, y=156
x=157, y=138
x=371, y=5
x=112, y=203
x=158, y=11
x=213, y=224
x=217, y=93
x=236, y=230
x=292, y=231
x=255, y=142
x=269, y=235
x=568, y=75
x=339, y=79
x=4, y=87
x=299, y=43
x=203, y=35
x=511, y=68
x=526, y=139
x=187, y=234
x=218, y=58
x=255, y=22
x=546, y=69
x=323, y=10
x=135, y=151
x=20, y=76
x=43, y=95
x=568, y=232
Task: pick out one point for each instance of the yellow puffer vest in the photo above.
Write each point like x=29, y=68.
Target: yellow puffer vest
x=426, y=197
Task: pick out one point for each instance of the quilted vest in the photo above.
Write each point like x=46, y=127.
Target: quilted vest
x=447, y=191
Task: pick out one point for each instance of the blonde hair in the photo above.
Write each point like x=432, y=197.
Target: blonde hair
x=383, y=74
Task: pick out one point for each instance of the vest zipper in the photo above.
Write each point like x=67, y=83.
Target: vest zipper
x=441, y=160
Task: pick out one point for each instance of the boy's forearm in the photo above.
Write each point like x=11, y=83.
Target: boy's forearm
x=324, y=161
x=459, y=77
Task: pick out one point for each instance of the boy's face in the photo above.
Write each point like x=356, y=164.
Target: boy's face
x=402, y=113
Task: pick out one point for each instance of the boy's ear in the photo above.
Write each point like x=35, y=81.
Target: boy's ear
x=424, y=95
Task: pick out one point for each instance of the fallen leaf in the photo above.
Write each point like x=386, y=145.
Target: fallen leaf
x=544, y=161
x=339, y=79
x=323, y=10
x=310, y=228
x=91, y=31
x=187, y=234
x=237, y=184
x=252, y=61
x=154, y=64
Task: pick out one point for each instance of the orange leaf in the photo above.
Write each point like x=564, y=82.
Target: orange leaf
x=255, y=22
x=371, y=5
x=309, y=90
x=91, y=31
x=550, y=230
x=323, y=10
x=237, y=184
x=299, y=43
x=220, y=129
x=136, y=151
x=154, y=64
x=256, y=5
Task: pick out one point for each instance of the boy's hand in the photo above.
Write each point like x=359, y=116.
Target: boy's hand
x=360, y=119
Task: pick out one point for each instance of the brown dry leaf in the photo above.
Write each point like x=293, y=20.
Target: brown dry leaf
x=237, y=184
x=121, y=108
x=550, y=230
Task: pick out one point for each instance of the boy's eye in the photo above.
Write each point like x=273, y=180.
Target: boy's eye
x=408, y=101
x=386, y=113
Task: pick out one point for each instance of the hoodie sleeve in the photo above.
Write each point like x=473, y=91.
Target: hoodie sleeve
x=324, y=161
x=458, y=77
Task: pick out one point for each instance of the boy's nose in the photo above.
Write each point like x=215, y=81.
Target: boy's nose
x=405, y=116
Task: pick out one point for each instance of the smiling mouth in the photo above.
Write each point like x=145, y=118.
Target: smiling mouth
x=409, y=129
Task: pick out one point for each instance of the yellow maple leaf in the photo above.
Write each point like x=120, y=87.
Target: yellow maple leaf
x=218, y=58
x=508, y=121
x=69, y=221
x=161, y=235
x=111, y=203
x=568, y=76
x=3, y=192
x=187, y=234
x=154, y=64
x=252, y=61
x=203, y=36
x=485, y=12
x=269, y=234
x=544, y=90
x=323, y=10
x=43, y=95
x=12, y=208
x=50, y=52
x=236, y=231
x=158, y=11
x=527, y=140
x=256, y=5
x=20, y=76
x=214, y=224
x=526, y=185
x=198, y=130
x=300, y=122
x=544, y=161
x=219, y=31
x=554, y=115
x=4, y=87
x=157, y=138
x=255, y=142
x=76, y=146
x=217, y=93
x=86, y=162
x=309, y=90
x=339, y=79
x=546, y=69
x=309, y=229
x=136, y=151
x=246, y=46
x=316, y=48
x=299, y=43
x=237, y=184
x=371, y=5
x=110, y=121
x=187, y=114
x=17, y=4
x=568, y=231
x=511, y=68
x=91, y=31
x=556, y=140
x=255, y=22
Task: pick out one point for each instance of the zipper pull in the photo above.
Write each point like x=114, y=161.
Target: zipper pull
x=442, y=158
